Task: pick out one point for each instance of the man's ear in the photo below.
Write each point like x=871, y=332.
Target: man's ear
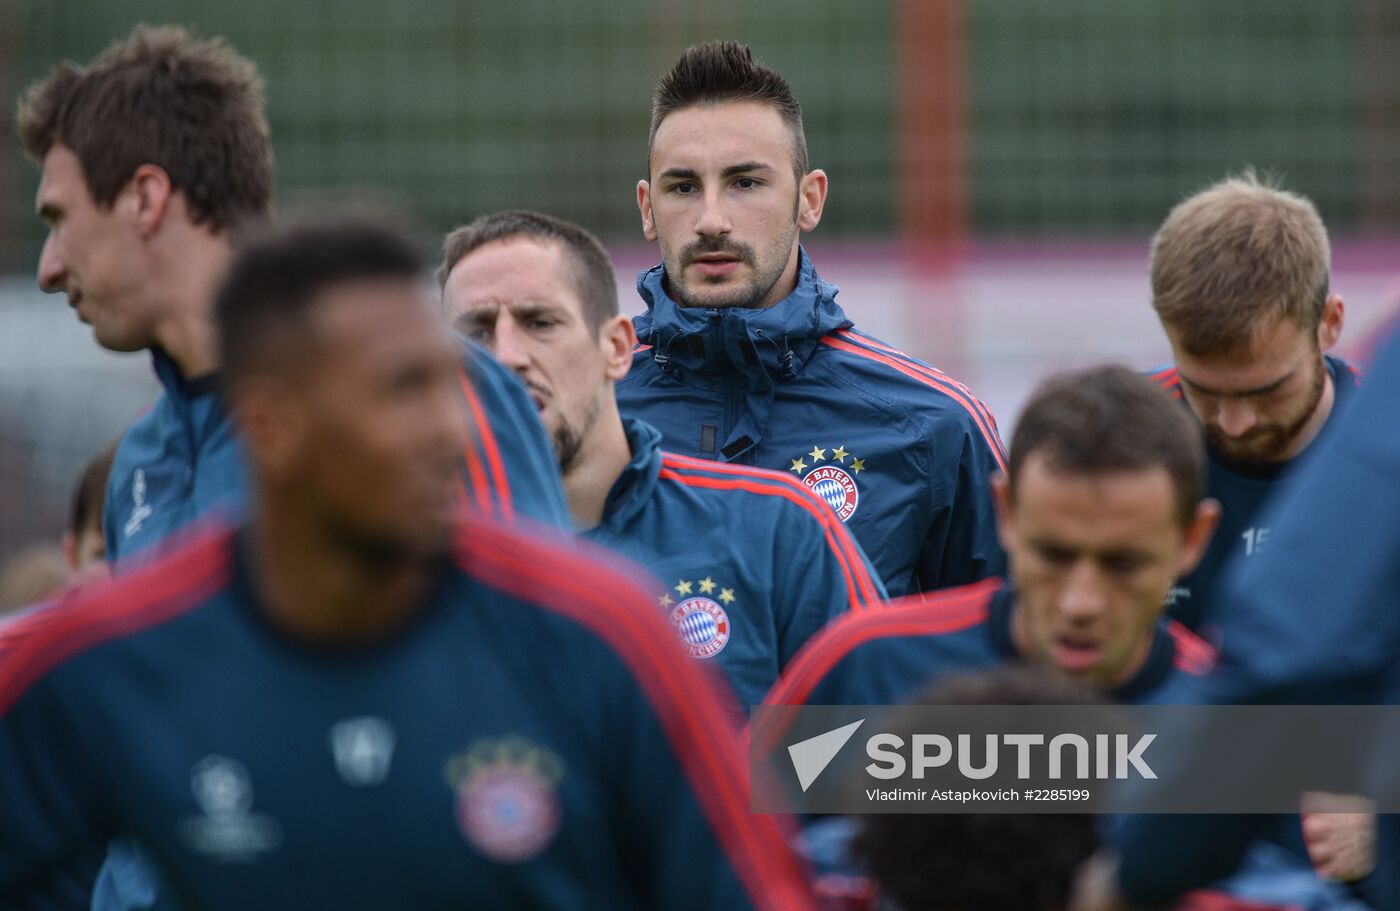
x=272, y=423
x=70, y=550
x=811, y=199
x=644, y=207
x=151, y=192
x=1329, y=328
x=618, y=337
x=1198, y=534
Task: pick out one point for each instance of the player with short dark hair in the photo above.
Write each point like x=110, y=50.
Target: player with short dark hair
x=1240, y=282
x=1100, y=512
x=141, y=228
x=746, y=357
x=152, y=156
x=342, y=703
x=752, y=562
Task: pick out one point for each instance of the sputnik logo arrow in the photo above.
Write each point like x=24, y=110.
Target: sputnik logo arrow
x=810, y=757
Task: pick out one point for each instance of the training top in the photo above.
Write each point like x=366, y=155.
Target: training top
x=1241, y=489
x=531, y=738
x=182, y=460
x=1314, y=619
x=752, y=562
x=901, y=452
x=888, y=657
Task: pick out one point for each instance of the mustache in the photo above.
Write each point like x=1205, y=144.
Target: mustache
x=710, y=245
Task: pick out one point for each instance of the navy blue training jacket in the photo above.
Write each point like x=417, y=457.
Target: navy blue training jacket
x=900, y=451
x=753, y=563
x=182, y=461
x=447, y=766
x=888, y=658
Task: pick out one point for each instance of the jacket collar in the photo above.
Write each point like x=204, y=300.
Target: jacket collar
x=635, y=486
x=773, y=342
x=1155, y=671
x=175, y=384
x=196, y=402
x=758, y=349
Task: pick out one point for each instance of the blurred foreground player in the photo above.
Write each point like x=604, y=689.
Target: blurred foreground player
x=747, y=358
x=1240, y=281
x=753, y=562
x=1314, y=620
x=344, y=703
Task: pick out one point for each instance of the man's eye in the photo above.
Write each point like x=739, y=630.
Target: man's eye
x=1056, y=555
x=1123, y=565
x=541, y=323
x=684, y=189
x=746, y=183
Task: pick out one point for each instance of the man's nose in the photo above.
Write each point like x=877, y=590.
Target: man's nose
x=52, y=272
x=1235, y=418
x=1084, y=596
x=714, y=220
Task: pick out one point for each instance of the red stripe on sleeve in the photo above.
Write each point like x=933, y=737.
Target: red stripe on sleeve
x=963, y=398
x=948, y=611
x=861, y=589
x=1194, y=655
x=935, y=374
x=615, y=609
x=487, y=439
x=34, y=644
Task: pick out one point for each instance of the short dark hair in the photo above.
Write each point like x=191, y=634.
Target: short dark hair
x=275, y=279
x=1108, y=419
x=90, y=496
x=193, y=108
x=725, y=71
x=597, y=284
x=980, y=861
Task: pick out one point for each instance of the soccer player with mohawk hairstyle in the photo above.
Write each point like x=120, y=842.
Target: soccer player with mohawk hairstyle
x=746, y=357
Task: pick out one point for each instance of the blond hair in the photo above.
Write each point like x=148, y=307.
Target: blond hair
x=1229, y=258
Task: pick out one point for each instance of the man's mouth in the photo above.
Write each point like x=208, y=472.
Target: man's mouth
x=536, y=396
x=715, y=264
x=1076, y=654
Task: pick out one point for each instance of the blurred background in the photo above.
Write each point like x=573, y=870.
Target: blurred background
x=997, y=166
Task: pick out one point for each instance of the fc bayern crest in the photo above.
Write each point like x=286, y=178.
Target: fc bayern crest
x=509, y=814
x=836, y=487
x=703, y=625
